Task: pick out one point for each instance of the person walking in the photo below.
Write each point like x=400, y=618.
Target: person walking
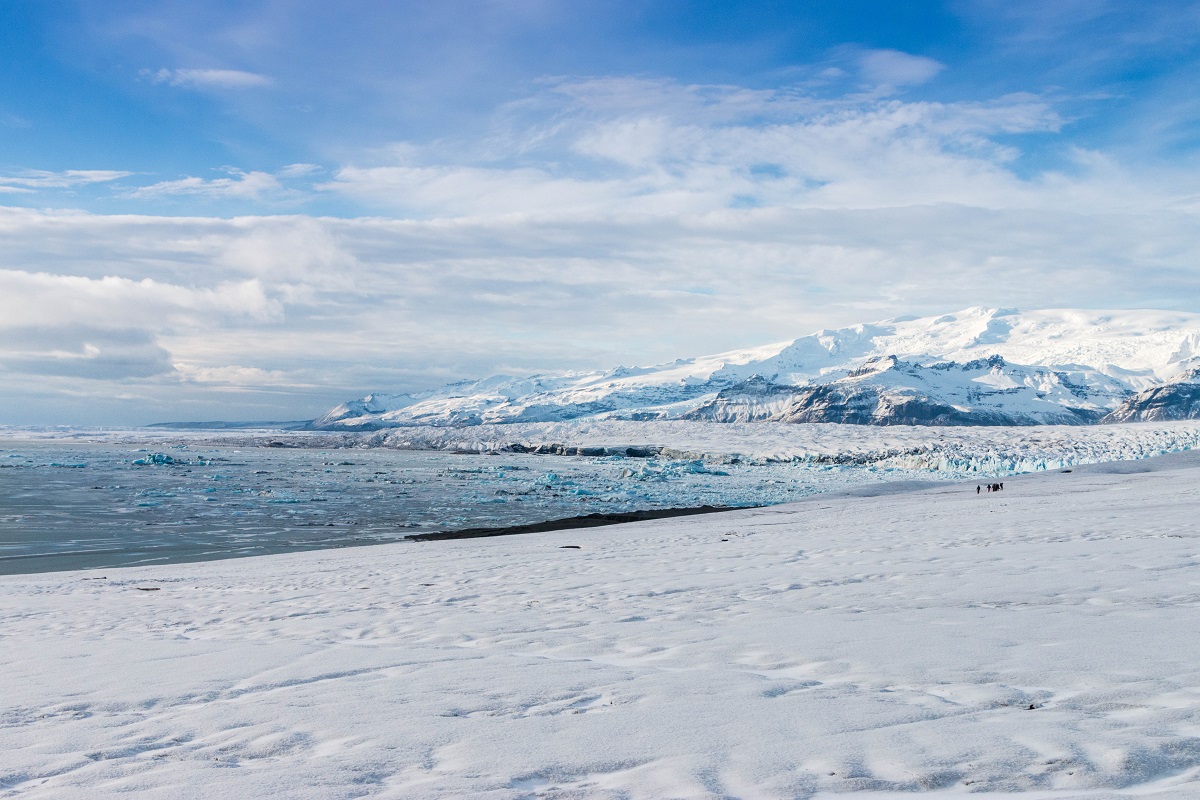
x=977, y=489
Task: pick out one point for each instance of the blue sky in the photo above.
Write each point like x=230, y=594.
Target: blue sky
x=255, y=209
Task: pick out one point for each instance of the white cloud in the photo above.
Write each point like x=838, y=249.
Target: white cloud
x=33, y=180
x=210, y=78
x=895, y=68
x=234, y=376
x=30, y=299
x=81, y=351
x=240, y=185
x=298, y=170
x=111, y=328
x=299, y=256
x=660, y=97
x=626, y=145
x=470, y=191
x=635, y=142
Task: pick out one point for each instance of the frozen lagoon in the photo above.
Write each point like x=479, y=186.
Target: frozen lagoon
x=1037, y=642
x=72, y=499
x=70, y=505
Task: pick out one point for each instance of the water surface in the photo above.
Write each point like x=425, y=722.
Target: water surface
x=71, y=505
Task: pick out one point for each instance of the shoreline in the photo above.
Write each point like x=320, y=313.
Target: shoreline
x=595, y=520
x=303, y=535
x=156, y=558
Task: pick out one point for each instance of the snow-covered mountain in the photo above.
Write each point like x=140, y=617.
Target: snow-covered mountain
x=980, y=366
x=1174, y=401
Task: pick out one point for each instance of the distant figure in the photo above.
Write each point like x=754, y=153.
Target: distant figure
x=1002, y=487
x=989, y=487
x=977, y=490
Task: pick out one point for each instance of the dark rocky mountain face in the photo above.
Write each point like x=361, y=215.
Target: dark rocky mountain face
x=868, y=405
x=863, y=405
x=889, y=391
x=1174, y=401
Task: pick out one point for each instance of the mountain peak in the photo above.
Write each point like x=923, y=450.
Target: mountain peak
x=1050, y=365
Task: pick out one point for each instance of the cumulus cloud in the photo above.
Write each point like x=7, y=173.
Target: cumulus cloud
x=210, y=78
x=30, y=299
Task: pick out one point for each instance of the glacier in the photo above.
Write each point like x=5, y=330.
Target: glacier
x=980, y=366
x=961, y=451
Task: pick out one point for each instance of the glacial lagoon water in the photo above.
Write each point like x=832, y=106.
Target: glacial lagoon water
x=73, y=505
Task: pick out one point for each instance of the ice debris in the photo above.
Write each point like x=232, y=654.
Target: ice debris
x=165, y=460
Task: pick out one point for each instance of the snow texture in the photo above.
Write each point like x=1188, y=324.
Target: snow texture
x=1036, y=642
x=980, y=366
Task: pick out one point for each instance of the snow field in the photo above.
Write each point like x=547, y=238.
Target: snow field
x=1038, y=641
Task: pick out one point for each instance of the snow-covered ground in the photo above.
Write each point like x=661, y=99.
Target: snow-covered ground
x=1038, y=641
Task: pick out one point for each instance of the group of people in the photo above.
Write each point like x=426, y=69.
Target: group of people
x=991, y=487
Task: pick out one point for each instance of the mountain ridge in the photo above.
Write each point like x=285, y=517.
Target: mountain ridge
x=978, y=366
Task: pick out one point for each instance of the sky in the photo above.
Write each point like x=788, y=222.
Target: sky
x=254, y=210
